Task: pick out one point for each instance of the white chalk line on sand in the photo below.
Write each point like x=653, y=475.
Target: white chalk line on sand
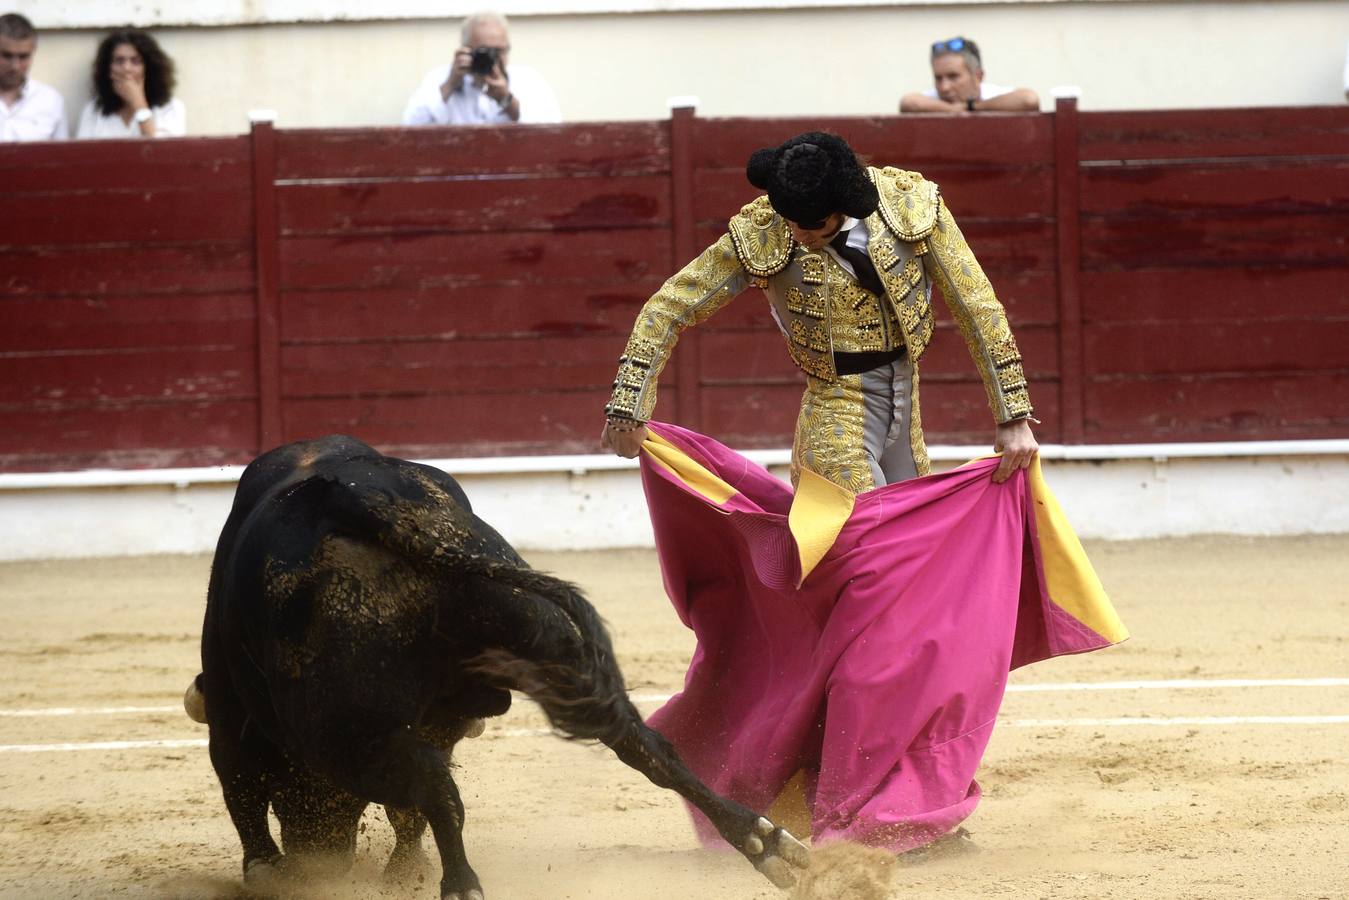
x=1122, y=721
x=1177, y=684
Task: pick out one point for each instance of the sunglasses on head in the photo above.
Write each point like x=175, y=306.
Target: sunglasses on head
x=955, y=45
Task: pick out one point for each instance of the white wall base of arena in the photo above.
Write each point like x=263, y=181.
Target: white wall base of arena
x=596, y=502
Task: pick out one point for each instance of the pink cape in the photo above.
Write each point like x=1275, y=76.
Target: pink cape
x=850, y=686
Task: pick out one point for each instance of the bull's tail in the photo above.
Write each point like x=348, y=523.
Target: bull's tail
x=572, y=674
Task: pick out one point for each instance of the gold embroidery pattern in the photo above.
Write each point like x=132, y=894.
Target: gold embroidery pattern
x=913, y=305
x=861, y=321
x=908, y=202
x=884, y=254
x=829, y=439
x=981, y=319
x=690, y=296
x=812, y=268
x=761, y=239
x=916, y=440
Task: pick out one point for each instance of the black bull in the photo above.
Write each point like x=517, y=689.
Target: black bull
x=360, y=620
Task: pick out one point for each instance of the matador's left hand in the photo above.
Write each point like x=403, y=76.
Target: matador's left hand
x=1017, y=445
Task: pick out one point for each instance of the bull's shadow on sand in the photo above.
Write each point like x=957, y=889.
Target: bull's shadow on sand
x=360, y=622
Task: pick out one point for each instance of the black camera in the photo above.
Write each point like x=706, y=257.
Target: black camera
x=484, y=60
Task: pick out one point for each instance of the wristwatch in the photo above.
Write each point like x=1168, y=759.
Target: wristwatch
x=506, y=101
x=143, y=115
x=969, y=104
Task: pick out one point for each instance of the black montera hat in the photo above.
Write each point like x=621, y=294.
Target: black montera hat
x=811, y=177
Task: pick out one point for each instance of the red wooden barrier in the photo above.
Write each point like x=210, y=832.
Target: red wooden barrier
x=1173, y=275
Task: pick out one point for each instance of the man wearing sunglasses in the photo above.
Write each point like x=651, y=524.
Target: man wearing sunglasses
x=848, y=256
x=959, y=86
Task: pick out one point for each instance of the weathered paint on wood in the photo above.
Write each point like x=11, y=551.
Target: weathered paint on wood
x=444, y=291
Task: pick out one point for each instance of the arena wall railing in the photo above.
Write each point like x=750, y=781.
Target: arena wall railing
x=1173, y=277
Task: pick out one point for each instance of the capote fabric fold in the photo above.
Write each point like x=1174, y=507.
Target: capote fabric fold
x=853, y=650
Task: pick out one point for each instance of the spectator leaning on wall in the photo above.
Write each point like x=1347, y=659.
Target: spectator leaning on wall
x=133, y=91
x=481, y=86
x=29, y=109
x=959, y=86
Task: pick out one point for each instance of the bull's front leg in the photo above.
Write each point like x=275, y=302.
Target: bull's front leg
x=405, y=771
x=772, y=850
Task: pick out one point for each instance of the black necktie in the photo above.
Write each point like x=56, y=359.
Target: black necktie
x=861, y=263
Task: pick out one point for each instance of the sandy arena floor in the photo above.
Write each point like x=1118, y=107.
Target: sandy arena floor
x=1077, y=804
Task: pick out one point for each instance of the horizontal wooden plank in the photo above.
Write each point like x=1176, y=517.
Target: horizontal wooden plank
x=436, y=261
x=525, y=422
x=589, y=148
x=448, y=368
x=115, y=435
x=212, y=268
x=124, y=322
x=1217, y=344
x=985, y=192
x=1194, y=133
x=96, y=166
x=534, y=204
x=1257, y=188
x=69, y=380
x=909, y=142
x=122, y=217
x=489, y=310
x=1217, y=408
x=1202, y=242
x=1234, y=292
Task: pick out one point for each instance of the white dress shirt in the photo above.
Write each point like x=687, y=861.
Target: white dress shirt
x=38, y=115
x=170, y=121
x=470, y=105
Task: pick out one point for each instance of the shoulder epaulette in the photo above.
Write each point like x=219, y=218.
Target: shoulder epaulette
x=762, y=240
x=909, y=202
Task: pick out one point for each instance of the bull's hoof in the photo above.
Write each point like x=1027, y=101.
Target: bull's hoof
x=475, y=727
x=406, y=865
x=194, y=703
x=775, y=853
x=263, y=874
x=474, y=894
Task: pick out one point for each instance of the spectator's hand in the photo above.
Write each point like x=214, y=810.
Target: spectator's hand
x=463, y=58
x=495, y=84
x=131, y=89
x=1018, y=447
x=624, y=443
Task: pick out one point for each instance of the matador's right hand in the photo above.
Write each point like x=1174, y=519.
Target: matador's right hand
x=623, y=441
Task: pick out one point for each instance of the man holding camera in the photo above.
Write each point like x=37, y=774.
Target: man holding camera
x=481, y=86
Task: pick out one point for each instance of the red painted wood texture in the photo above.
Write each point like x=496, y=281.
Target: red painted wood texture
x=1170, y=276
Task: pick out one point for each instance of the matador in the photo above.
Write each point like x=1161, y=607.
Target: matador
x=848, y=257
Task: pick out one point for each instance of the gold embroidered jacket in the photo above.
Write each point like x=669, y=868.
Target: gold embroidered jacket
x=914, y=243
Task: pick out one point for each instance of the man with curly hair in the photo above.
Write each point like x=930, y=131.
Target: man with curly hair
x=848, y=256
x=29, y=109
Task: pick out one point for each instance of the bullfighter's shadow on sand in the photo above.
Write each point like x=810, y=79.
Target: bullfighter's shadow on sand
x=360, y=621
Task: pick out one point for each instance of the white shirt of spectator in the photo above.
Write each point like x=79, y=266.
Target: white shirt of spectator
x=986, y=91
x=170, y=121
x=38, y=115
x=470, y=105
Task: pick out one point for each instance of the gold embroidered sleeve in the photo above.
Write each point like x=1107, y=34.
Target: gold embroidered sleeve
x=981, y=319
x=688, y=298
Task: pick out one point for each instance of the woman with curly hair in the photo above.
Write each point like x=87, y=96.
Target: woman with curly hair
x=133, y=90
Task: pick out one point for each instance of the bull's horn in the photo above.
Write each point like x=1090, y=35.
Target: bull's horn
x=194, y=702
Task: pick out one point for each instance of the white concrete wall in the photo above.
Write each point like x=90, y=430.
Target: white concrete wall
x=747, y=57
x=596, y=502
